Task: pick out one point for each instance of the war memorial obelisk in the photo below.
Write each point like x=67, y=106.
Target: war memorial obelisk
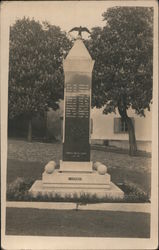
x=76, y=174
x=78, y=68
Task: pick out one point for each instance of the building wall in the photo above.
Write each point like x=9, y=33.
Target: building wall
x=103, y=128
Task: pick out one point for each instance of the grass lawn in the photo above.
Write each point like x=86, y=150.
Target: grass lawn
x=77, y=223
x=28, y=160
x=24, y=169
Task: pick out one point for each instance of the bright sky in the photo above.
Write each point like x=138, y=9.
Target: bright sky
x=66, y=14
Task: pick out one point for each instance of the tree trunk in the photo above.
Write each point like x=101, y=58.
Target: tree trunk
x=132, y=138
x=30, y=130
x=46, y=130
x=131, y=131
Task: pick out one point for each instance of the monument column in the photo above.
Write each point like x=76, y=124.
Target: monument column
x=78, y=67
x=76, y=176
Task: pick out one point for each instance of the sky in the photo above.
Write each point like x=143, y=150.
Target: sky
x=66, y=14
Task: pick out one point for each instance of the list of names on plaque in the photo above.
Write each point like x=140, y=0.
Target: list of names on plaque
x=77, y=100
x=76, y=145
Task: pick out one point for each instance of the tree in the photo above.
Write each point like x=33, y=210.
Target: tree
x=122, y=77
x=35, y=68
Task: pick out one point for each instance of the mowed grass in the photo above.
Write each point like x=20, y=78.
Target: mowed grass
x=77, y=223
x=28, y=160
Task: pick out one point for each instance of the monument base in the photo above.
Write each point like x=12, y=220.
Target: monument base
x=70, y=184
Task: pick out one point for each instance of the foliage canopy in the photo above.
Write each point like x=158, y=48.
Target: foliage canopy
x=123, y=53
x=35, y=67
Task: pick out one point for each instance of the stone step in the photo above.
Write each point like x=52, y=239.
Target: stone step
x=76, y=186
x=113, y=191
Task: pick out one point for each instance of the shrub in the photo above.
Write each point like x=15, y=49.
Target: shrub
x=133, y=193
x=18, y=189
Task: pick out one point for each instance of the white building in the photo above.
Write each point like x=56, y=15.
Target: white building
x=108, y=129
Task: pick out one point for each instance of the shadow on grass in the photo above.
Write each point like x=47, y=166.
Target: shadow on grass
x=77, y=223
x=23, y=169
x=141, y=179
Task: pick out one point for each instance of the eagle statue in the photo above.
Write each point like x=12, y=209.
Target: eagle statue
x=80, y=30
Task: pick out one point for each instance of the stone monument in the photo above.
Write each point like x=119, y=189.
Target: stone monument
x=77, y=173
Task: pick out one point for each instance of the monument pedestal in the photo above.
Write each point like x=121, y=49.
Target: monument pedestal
x=76, y=184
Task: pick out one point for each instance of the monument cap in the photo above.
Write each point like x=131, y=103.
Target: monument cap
x=78, y=51
x=78, y=59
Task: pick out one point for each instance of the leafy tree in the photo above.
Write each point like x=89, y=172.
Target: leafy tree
x=122, y=77
x=35, y=68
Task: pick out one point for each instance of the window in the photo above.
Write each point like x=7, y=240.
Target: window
x=120, y=125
